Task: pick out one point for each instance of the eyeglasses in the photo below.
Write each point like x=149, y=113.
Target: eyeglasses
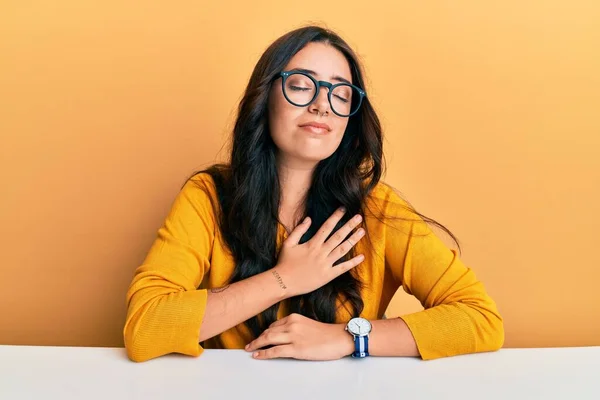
x=301, y=89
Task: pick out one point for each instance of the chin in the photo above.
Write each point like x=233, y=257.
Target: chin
x=316, y=155
x=307, y=158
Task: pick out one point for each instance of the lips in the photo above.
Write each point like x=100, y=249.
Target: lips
x=316, y=127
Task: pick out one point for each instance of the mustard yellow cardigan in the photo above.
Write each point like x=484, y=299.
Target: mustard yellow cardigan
x=167, y=297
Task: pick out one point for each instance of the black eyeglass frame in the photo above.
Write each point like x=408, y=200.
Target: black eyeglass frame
x=318, y=84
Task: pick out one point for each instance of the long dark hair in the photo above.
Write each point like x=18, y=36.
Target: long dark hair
x=248, y=187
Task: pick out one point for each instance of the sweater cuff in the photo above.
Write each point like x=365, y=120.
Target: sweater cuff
x=441, y=331
x=172, y=325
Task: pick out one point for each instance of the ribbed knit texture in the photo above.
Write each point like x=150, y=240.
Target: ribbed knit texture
x=167, y=297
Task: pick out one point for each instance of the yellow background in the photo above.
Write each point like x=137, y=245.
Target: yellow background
x=490, y=110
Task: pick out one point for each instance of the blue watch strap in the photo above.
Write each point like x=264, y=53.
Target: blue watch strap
x=361, y=347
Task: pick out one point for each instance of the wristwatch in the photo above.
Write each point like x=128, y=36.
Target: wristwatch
x=360, y=328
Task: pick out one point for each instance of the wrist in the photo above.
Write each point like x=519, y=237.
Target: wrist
x=346, y=340
x=276, y=280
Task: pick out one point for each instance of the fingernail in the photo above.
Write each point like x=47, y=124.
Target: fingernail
x=247, y=346
x=358, y=218
x=255, y=354
x=306, y=220
x=361, y=257
x=343, y=209
x=361, y=231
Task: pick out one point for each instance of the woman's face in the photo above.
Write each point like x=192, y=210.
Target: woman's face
x=299, y=143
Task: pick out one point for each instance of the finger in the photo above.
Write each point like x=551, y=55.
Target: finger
x=269, y=339
x=279, y=322
x=285, y=351
x=341, y=234
x=346, y=266
x=299, y=230
x=328, y=226
x=277, y=329
x=345, y=247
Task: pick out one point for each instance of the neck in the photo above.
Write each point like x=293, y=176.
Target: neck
x=295, y=179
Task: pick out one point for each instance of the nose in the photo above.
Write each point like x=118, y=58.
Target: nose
x=321, y=103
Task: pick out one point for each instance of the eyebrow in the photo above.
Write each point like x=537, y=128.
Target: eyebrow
x=333, y=78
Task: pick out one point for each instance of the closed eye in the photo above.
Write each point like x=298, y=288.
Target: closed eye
x=341, y=98
x=298, y=88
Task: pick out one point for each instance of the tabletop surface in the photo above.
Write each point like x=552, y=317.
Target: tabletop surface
x=38, y=372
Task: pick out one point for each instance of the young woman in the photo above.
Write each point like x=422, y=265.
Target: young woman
x=295, y=247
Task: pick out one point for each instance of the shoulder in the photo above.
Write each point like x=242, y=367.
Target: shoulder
x=384, y=192
x=199, y=195
x=388, y=200
x=199, y=187
x=386, y=205
x=201, y=181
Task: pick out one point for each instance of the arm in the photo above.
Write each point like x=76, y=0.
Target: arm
x=297, y=336
x=391, y=337
x=459, y=316
x=234, y=304
x=166, y=312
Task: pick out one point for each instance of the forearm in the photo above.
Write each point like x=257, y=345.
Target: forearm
x=233, y=304
x=391, y=337
x=297, y=336
x=456, y=328
x=388, y=338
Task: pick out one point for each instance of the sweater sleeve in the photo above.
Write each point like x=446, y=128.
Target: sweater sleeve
x=165, y=308
x=459, y=317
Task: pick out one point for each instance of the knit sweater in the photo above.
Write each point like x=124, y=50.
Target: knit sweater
x=167, y=297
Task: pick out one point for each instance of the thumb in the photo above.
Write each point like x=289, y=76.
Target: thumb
x=298, y=231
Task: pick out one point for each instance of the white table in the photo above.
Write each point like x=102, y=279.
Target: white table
x=105, y=373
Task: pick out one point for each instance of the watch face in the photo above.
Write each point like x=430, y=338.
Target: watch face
x=359, y=326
